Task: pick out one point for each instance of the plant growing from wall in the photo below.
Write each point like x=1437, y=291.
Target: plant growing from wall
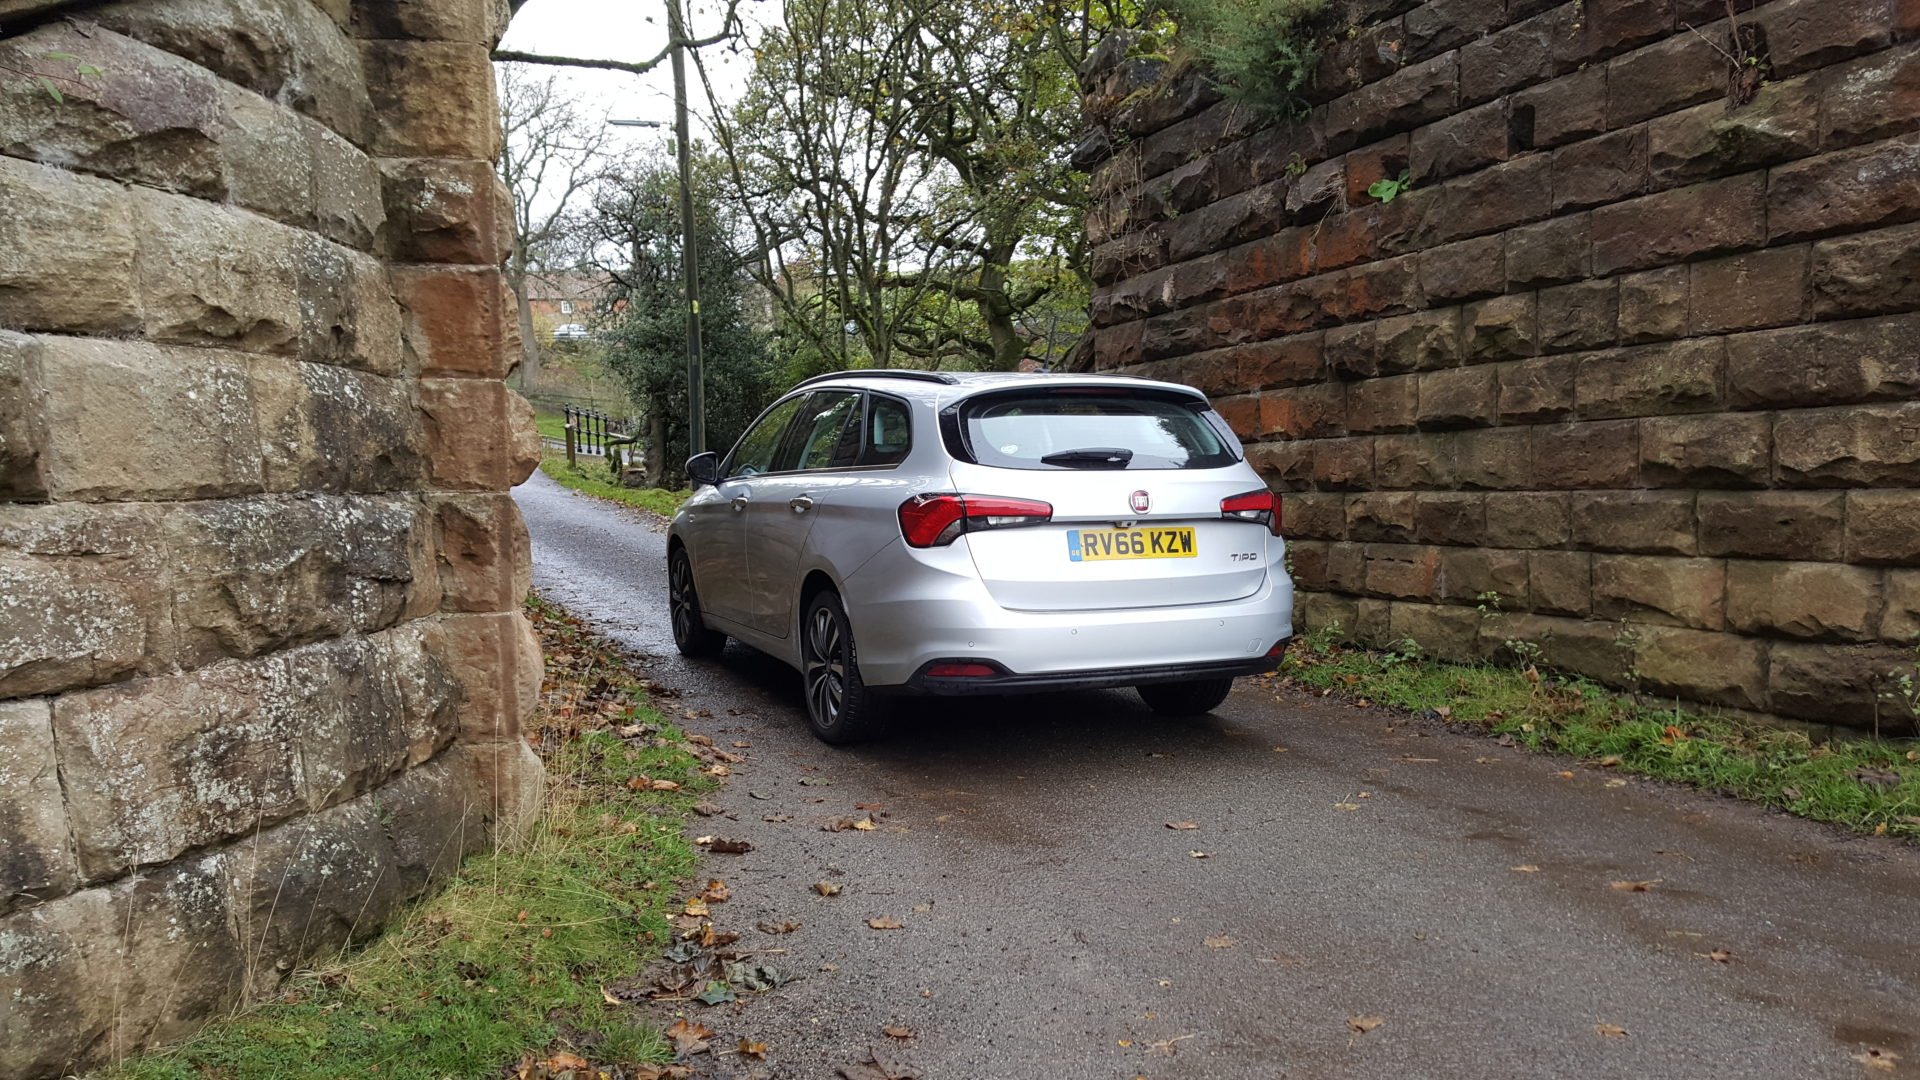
x=1260, y=52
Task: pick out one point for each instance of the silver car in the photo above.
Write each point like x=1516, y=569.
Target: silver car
x=909, y=532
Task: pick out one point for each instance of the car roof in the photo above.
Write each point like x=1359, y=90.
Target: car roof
x=940, y=387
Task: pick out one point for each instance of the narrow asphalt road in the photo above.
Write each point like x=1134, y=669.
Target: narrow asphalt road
x=1056, y=927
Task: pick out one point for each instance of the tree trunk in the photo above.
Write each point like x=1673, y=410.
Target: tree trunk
x=996, y=310
x=656, y=443
x=529, y=346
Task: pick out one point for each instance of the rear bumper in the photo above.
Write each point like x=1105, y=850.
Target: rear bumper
x=909, y=610
x=1050, y=682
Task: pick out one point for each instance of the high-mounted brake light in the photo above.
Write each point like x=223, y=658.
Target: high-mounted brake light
x=935, y=520
x=1262, y=506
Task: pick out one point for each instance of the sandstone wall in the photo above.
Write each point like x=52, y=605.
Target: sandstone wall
x=262, y=665
x=1638, y=356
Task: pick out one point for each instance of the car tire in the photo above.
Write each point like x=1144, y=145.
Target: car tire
x=1185, y=698
x=840, y=708
x=690, y=633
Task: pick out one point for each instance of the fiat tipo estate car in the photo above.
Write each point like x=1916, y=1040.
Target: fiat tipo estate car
x=909, y=532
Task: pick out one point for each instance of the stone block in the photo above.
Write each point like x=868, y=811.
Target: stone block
x=1301, y=412
x=1381, y=405
x=1528, y=519
x=1867, y=274
x=1827, y=363
x=1381, y=517
x=1654, y=305
x=432, y=99
x=209, y=275
x=1442, y=631
x=1285, y=256
x=1467, y=574
x=23, y=432
x=349, y=204
x=475, y=22
x=1466, y=270
x=1851, y=190
x=442, y=211
x=510, y=785
x=267, y=157
x=1716, y=668
x=1900, y=621
x=1686, y=223
x=1440, y=25
x=49, y=282
x=1805, y=34
x=1459, y=397
x=1418, y=94
x=1584, y=315
x=1638, y=522
x=253, y=575
x=1600, y=170
x=1715, y=450
x=1803, y=600
x=1368, y=165
x=1468, y=140
x=1316, y=516
x=1285, y=466
x=1587, y=455
x=1833, y=682
x=127, y=420
x=1683, y=376
x=1605, y=27
x=1567, y=109
x=1352, y=350
x=347, y=310
x=313, y=886
x=33, y=822
x=1560, y=582
x=1387, y=287
x=1421, y=341
x=1686, y=69
x=1773, y=525
x=1235, y=219
x=1751, y=291
x=1307, y=563
x=1535, y=390
x=1578, y=646
x=326, y=428
x=1552, y=252
x=1450, y=517
x=1324, y=611
x=82, y=596
x=432, y=820
x=1494, y=459
x=1658, y=589
x=1511, y=58
x=1403, y=571
x=495, y=659
x=1502, y=328
x=1494, y=199
x=1346, y=569
x=1883, y=527
x=484, y=552
x=1876, y=97
x=1781, y=123
x=1864, y=446
x=1342, y=464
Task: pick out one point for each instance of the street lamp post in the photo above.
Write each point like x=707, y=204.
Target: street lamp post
x=689, y=250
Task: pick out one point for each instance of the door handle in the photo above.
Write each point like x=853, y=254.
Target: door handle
x=739, y=503
x=801, y=504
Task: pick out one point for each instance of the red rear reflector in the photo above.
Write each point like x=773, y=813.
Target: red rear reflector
x=961, y=671
x=934, y=520
x=1262, y=506
x=1279, y=649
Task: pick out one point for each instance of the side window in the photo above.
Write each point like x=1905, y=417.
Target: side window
x=889, y=433
x=827, y=434
x=753, y=455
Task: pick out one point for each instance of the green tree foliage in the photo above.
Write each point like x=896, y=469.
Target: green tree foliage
x=1262, y=52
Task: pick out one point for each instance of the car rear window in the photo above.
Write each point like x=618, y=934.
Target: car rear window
x=1092, y=428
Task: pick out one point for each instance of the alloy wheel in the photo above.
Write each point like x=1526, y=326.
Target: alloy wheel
x=825, y=667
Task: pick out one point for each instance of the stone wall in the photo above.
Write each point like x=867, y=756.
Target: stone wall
x=262, y=664
x=1636, y=353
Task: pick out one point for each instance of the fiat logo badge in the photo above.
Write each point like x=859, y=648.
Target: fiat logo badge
x=1139, y=502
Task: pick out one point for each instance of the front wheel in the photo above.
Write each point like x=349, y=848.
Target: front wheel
x=1185, y=698
x=840, y=708
x=690, y=633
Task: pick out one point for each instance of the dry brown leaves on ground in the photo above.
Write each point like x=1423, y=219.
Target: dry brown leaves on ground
x=689, y=1036
x=886, y=923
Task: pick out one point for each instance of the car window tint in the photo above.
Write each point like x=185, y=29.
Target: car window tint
x=1155, y=431
x=753, y=454
x=820, y=434
x=889, y=431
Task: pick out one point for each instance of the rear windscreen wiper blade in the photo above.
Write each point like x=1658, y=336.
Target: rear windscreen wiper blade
x=1091, y=457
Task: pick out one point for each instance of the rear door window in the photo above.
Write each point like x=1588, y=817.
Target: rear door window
x=1091, y=428
x=889, y=431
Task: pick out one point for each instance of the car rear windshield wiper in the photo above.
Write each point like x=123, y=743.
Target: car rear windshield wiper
x=1090, y=457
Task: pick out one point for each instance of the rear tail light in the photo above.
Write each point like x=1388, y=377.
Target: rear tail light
x=935, y=520
x=1262, y=506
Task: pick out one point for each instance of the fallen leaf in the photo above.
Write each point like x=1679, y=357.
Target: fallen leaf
x=1363, y=1024
x=1564, y=774
x=1635, y=886
x=1718, y=956
x=1346, y=806
x=716, y=892
x=689, y=1036
x=826, y=888
x=697, y=907
x=898, y=1031
x=637, y=783
x=1880, y=829
x=711, y=938
x=665, y=785
x=1220, y=942
x=1611, y=1031
x=865, y=824
x=754, y=1050
x=728, y=757
x=1279, y=749
x=1610, y=761
x=770, y=927
x=728, y=847
x=699, y=740
x=760, y=794
x=1198, y=854
x=1876, y=1059
x=1182, y=826
x=607, y=996
x=1529, y=868
x=717, y=770
x=886, y=923
x=716, y=993
x=707, y=809
x=1616, y=782
x=564, y=1062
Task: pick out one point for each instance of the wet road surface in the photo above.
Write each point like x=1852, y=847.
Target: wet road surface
x=1054, y=926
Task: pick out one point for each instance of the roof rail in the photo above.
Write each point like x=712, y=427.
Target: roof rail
x=882, y=373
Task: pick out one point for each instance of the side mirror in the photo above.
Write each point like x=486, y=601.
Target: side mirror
x=704, y=469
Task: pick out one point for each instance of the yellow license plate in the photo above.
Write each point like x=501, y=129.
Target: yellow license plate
x=1096, y=545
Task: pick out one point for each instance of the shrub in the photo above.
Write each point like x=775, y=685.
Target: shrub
x=1261, y=52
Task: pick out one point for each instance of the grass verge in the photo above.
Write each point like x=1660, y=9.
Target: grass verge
x=593, y=480
x=1866, y=786
x=550, y=424
x=506, y=963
